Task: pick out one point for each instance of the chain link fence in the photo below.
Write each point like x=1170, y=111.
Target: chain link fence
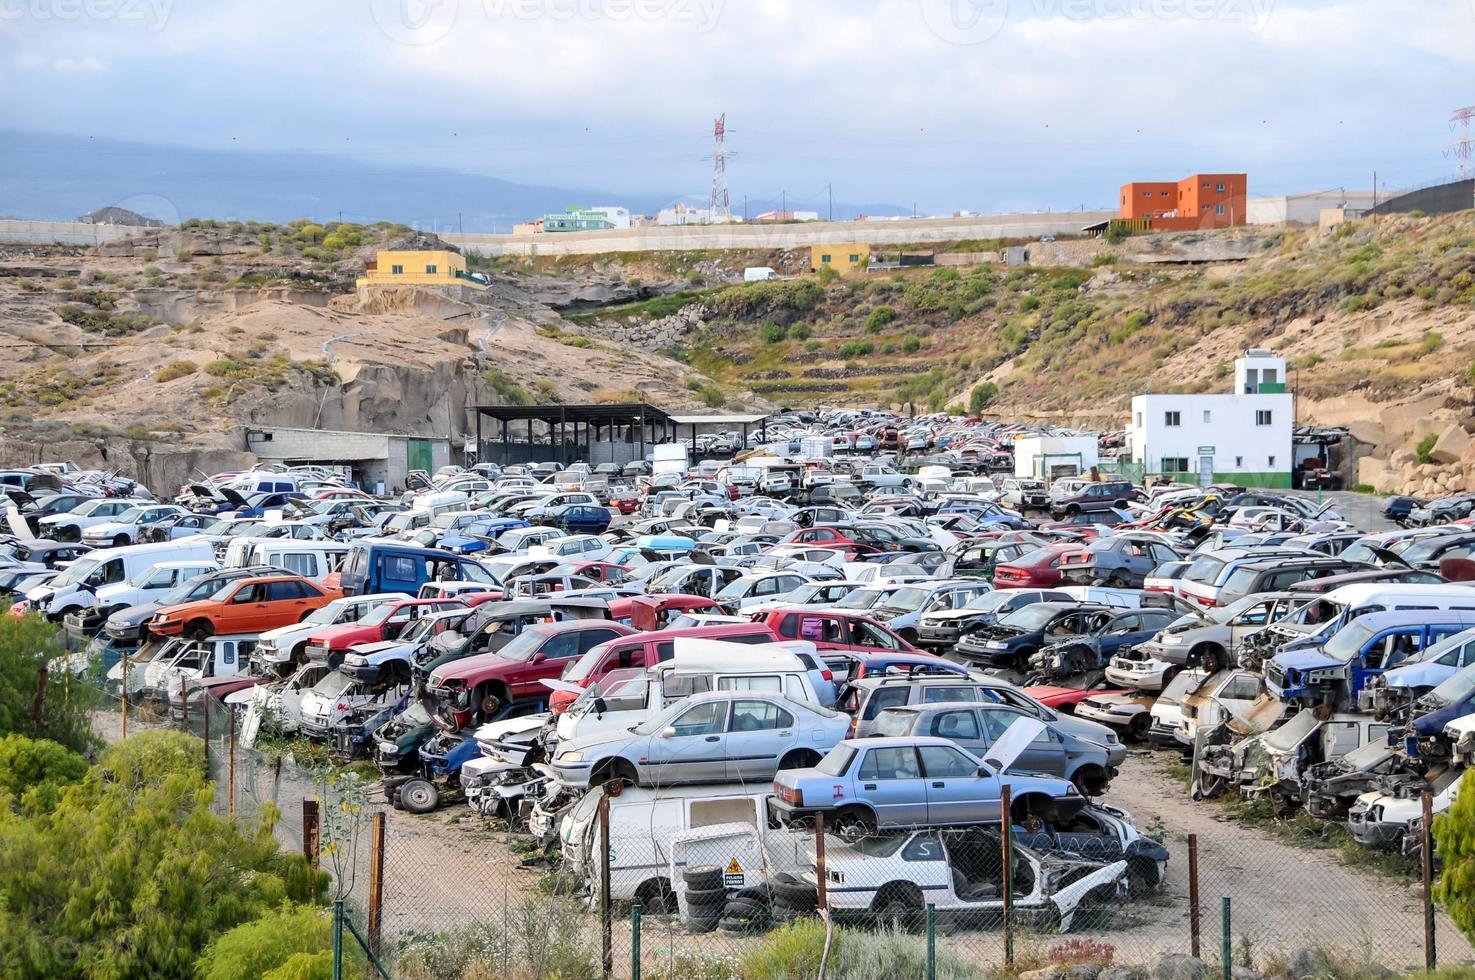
x=451, y=893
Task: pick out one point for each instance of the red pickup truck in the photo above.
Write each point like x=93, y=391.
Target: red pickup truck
x=385, y=623
x=478, y=687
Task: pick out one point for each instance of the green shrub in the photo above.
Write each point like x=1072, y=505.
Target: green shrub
x=1028, y=303
x=791, y=952
x=1425, y=447
x=772, y=333
x=713, y=397
x=1136, y=320
x=912, y=344
x=1116, y=233
x=1431, y=342
x=576, y=341
x=510, y=391
x=981, y=395
x=879, y=318
x=33, y=772
x=254, y=949
x=857, y=348
x=799, y=331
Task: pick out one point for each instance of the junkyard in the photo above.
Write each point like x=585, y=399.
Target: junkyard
x=762, y=703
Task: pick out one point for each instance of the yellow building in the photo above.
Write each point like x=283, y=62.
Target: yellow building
x=843, y=257
x=419, y=268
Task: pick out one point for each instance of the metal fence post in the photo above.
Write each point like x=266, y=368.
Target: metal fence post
x=311, y=831
x=605, y=925
x=338, y=939
x=125, y=696
x=1431, y=955
x=230, y=764
x=819, y=862
x=1225, y=944
x=205, y=711
x=184, y=704
x=1193, y=906
x=635, y=941
x=376, y=881
x=931, y=941
x=1006, y=843
x=40, y=704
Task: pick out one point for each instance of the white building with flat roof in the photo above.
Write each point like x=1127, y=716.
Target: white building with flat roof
x=1242, y=437
x=1047, y=457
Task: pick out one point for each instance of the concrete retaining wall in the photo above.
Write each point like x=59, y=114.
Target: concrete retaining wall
x=13, y=232
x=786, y=236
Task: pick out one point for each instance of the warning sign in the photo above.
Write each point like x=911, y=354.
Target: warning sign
x=733, y=876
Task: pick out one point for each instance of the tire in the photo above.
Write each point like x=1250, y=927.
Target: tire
x=899, y=906
x=200, y=629
x=707, y=877
x=419, y=796
x=656, y=897
x=706, y=897
x=745, y=907
x=854, y=823
x=797, y=896
x=121, y=540
x=1142, y=876
x=730, y=923
x=703, y=923
x=1139, y=726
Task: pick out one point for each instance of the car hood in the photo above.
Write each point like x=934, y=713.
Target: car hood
x=478, y=666
x=108, y=593
x=107, y=527
x=133, y=615
x=1007, y=749
x=380, y=647
x=183, y=610
x=1306, y=660
x=494, y=731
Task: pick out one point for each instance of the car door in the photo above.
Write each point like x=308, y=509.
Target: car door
x=246, y=612
x=889, y=778
x=759, y=732
x=286, y=602
x=691, y=749
x=1044, y=754
x=959, y=725
x=957, y=792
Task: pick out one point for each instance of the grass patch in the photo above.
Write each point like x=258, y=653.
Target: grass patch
x=176, y=369
x=510, y=391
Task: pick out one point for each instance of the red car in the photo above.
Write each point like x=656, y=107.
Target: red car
x=606, y=573
x=1066, y=698
x=642, y=650
x=834, y=629
x=655, y=612
x=480, y=687
x=1035, y=569
x=831, y=537
x=385, y=623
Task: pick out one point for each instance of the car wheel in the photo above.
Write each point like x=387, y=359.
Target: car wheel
x=656, y=898
x=120, y=540
x=200, y=629
x=899, y=906
x=419, y=796
x=854, y=824
x=703, y=878
x=1139, y=725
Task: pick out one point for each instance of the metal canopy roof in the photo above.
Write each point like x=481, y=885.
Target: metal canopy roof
x=717, y=419
x=628, y=413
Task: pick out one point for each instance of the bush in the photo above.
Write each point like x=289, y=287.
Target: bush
x=857, y=348
x=912, y=344
x=1425, y=447
x=773, y=333
x=799, y=331
x=510, y=391
x=177, y=369
x=27, y=644
x=1116, y=233
x=1431, y=342
x=981, y=395
x=255, y=948
x=713, y=397
x=33, y=772
x=879, y=318
x=794, y=951
x=1136, y=320
x=1028, y=303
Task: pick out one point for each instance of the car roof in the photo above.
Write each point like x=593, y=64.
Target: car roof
x=906, y=741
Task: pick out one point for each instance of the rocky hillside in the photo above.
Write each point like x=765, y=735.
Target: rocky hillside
x=1375, y=316
x=151, y=354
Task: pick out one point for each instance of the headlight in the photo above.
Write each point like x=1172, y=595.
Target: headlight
x=570, y=757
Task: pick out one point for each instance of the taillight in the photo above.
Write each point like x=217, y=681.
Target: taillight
x=789, y=794
x=827, y=675
x=853, y=723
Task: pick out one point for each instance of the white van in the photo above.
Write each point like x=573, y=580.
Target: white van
x=75, y=589
x=643, y=823
x=149, y=584
x=310, y=559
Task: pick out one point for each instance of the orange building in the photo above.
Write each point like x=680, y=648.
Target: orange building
x=1200, y=201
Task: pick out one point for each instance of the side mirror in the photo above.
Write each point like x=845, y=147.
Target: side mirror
x=600, y=707
x=668, y=733
x=538, y=658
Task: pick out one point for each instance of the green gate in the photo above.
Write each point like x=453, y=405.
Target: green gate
x=418, y=456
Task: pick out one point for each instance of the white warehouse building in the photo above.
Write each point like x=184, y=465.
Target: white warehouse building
x=1047, y=457
x=1243, y=437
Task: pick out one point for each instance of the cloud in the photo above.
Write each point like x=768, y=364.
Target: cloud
x=36, y=62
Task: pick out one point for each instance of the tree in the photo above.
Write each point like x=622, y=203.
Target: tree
x=132, y=873
x=33, y=772
x=1454, y=834
x=254, y=949
x=29, y=644
x=981, y=395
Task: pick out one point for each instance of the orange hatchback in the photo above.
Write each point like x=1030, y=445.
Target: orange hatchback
x=249, y=605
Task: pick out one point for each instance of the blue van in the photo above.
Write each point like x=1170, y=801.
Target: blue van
x=1358, y=652
x=373, y=567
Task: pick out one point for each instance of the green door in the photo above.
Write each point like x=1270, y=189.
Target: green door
x=418, y=456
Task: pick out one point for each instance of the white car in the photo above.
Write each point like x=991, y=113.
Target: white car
x=149, y=584
x=957, y=872
x=124, y=528
x=742, y=594
x=336, y=697
x=71, y=525
x=279, y=648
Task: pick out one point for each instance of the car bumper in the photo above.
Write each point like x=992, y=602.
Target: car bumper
x=1382, y=835
x=786, y=813
x=938, y=636
x=1116, y=717
x=123, y=632
x=1160, y=737
x=572, y=774
x=1144, y=677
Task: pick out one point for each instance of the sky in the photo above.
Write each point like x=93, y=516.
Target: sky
x=945, y=105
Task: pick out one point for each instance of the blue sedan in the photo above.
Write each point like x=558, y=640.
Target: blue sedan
x=581, y=519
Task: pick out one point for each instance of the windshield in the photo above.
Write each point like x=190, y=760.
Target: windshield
x=324, y=615
x=129, y=516
x=378, y=615
x=76, y=572
x=1180, y=685
x=736, y=589
x=863, y=598
x=523, y=645
x=1031, y=617
x=239, y=529
x=906, y=600
x=989, y=601
x=1348, y=640
x=1204, y=569
x=663, y=719
x=1241, y=580
x=333, y=684
x=1457, y=688
x=836, y=761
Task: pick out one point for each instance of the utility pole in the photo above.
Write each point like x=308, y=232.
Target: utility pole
x=831, y=189
x=745, y=209
x=460, y=225
x=1375, y=188
x=783, y=203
